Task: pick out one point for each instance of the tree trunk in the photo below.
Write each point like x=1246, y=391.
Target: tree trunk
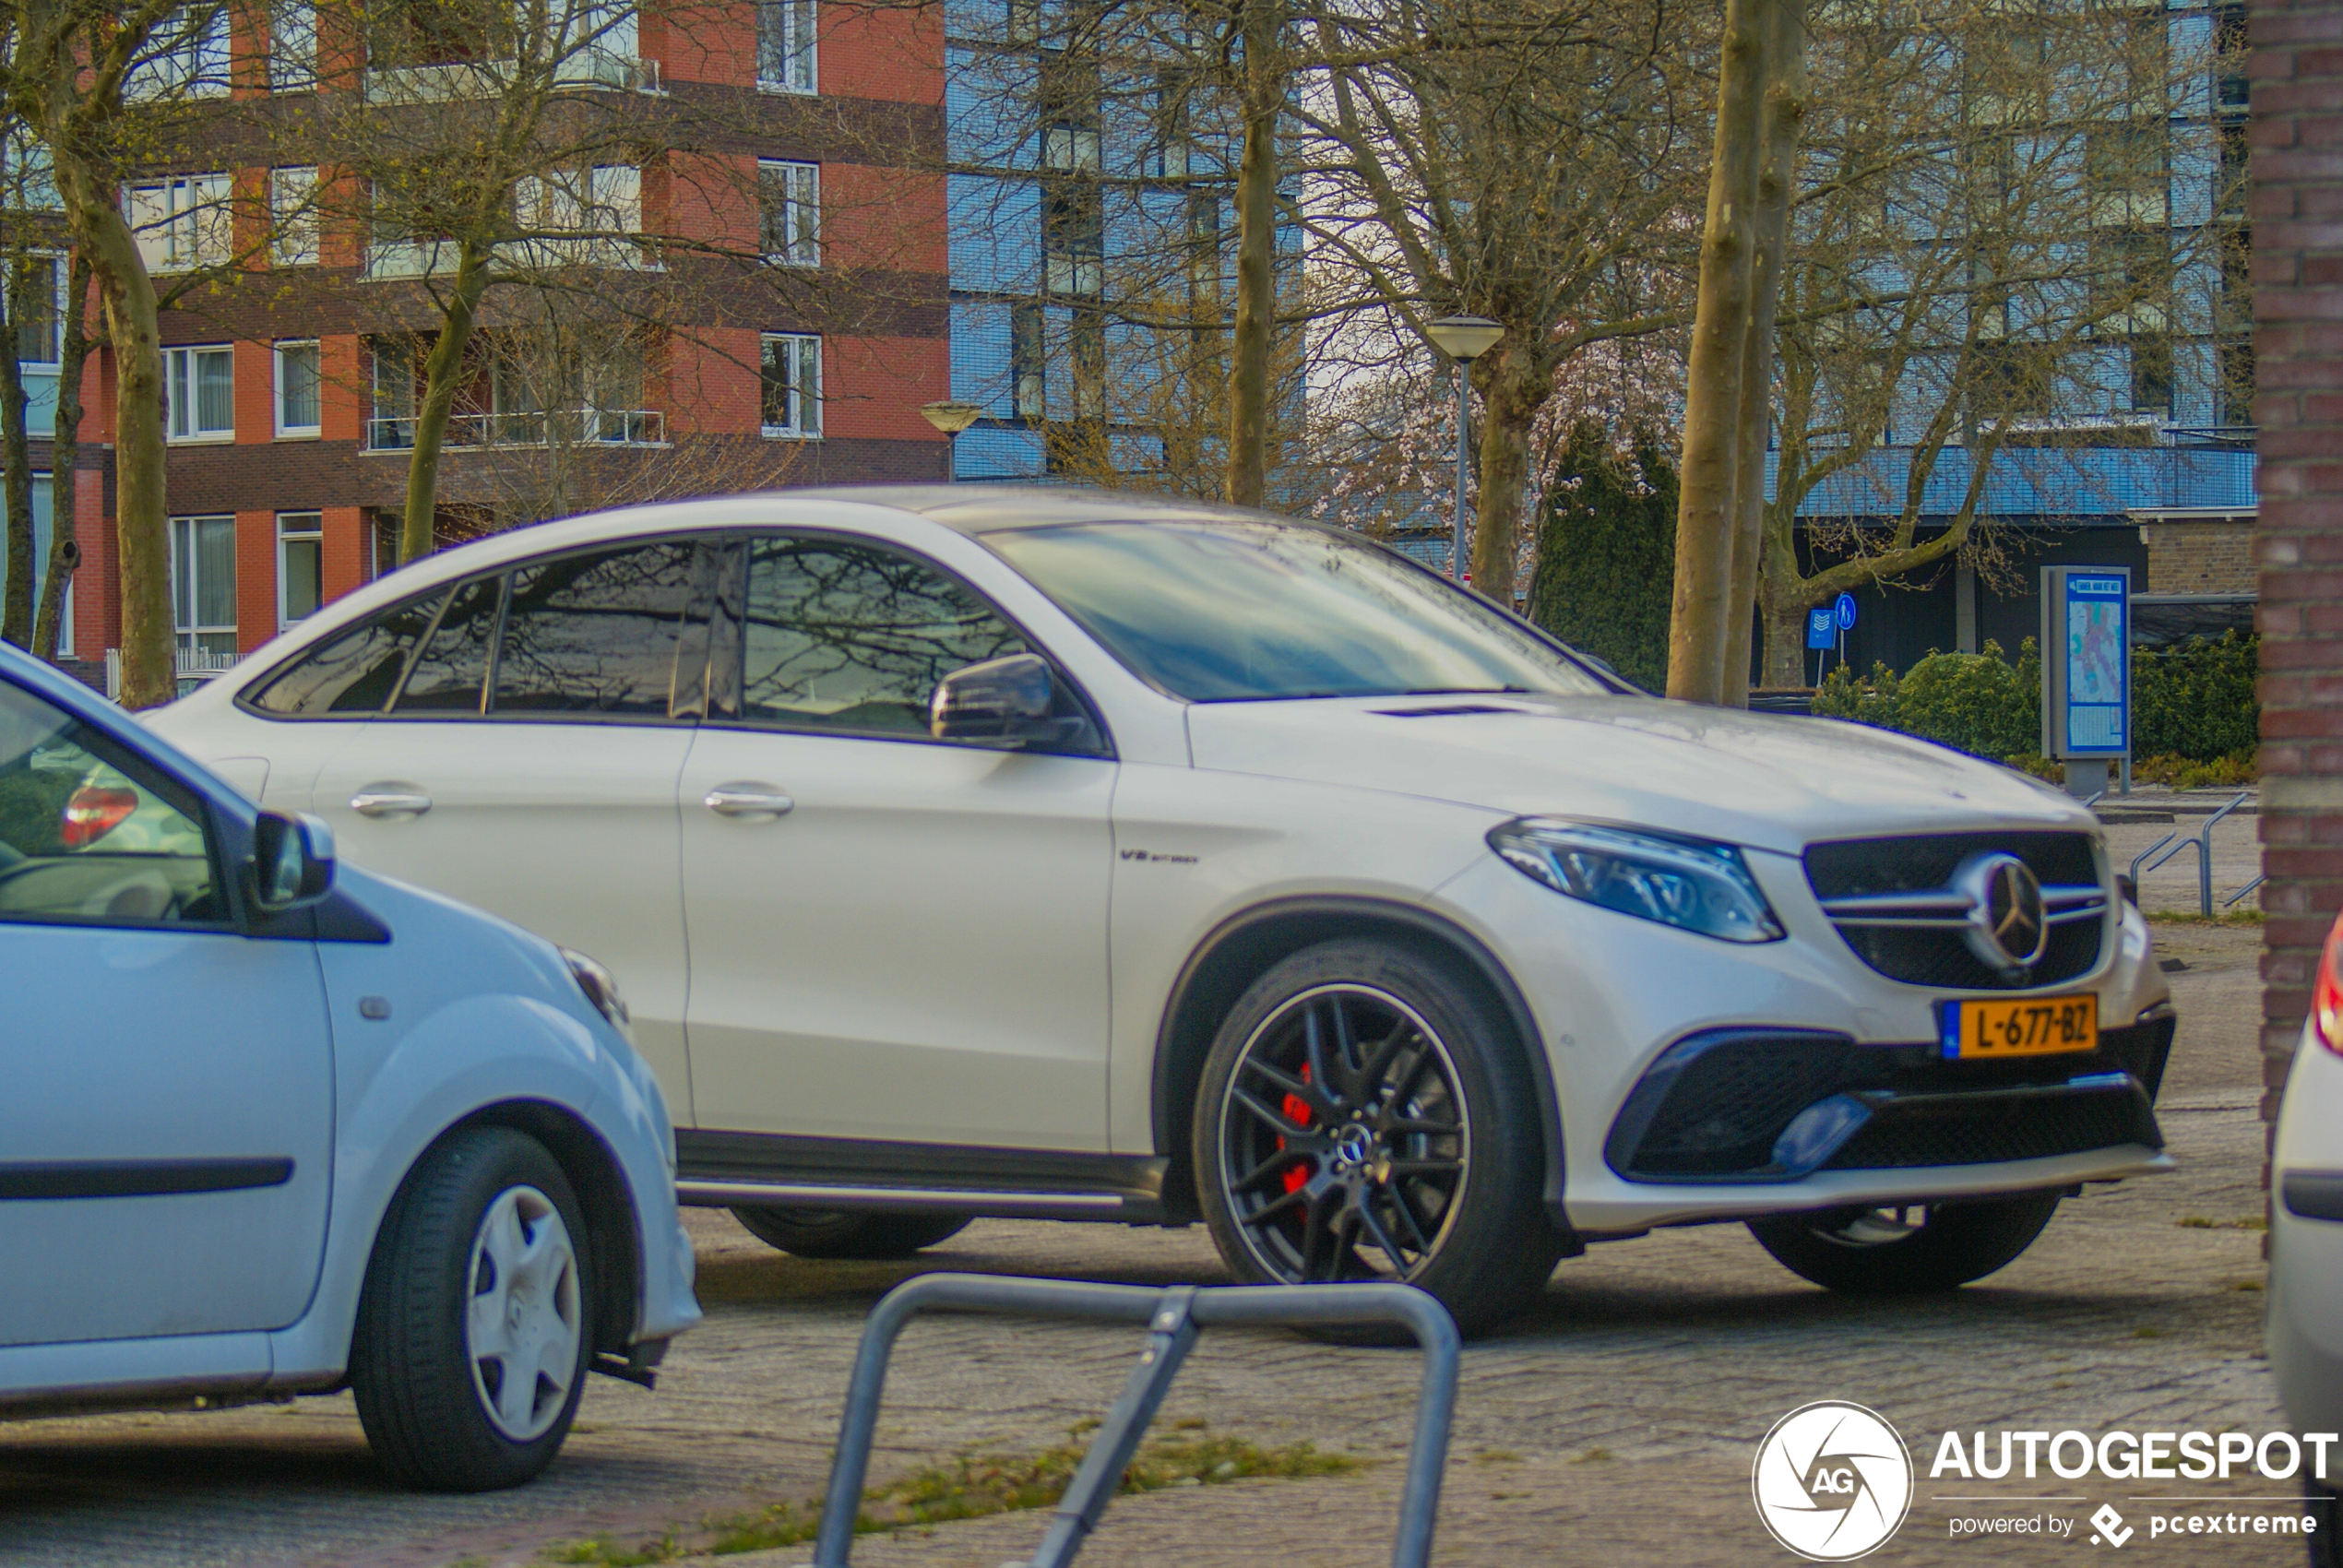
x=16, y=460
x=1784, y=613
x=1713, y=389
x=149, y=674
x=1784, y=111
x=1509, y=406
x=443, y=378
x=1250, y=389
x=64, y=452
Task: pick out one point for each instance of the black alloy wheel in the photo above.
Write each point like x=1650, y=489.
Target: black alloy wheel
x=1365, y=1114
x=1343, y=1146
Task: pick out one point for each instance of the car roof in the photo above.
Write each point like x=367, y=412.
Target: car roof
x=988, y=508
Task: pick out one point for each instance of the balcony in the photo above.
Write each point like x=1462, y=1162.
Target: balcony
x=456, y=81
x=563, y=427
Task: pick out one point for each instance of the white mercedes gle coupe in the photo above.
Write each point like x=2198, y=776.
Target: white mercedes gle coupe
x=1006, y=851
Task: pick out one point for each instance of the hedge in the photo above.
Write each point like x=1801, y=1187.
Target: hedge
x=1606, y=555
x=2193, y=700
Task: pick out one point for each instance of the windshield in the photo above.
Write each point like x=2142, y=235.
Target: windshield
x=1234, y=611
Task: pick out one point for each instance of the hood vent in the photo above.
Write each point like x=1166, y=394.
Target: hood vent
x=1448, y=711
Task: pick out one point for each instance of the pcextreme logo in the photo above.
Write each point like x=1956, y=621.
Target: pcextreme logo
x=1832, y=1481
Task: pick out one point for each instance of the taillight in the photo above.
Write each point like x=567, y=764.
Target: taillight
x=2327, y=991
x=93, y=812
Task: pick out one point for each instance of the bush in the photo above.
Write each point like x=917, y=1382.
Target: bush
x=1606, y=557
x=2196, y=700
x=2194, y=714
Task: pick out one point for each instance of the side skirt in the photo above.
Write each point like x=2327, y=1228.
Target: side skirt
x=728, y=1170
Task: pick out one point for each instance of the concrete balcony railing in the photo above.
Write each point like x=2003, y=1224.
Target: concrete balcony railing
x=392, y=260
x=560, y=427
x=459, y=80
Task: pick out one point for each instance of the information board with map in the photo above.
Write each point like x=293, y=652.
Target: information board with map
x=2086, y=696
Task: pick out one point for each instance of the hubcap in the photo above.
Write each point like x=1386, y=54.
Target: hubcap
x=1872, y=1226
x=522, y=1326
x=1342, y=1138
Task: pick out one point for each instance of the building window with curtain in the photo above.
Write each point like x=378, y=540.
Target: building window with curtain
x=301, y=579
x=1029, y=363
x=785, y=45
x=186, y=55
x=789, y=199
x=203, y=592
x=297, y=400
x=180, y=223
x=293, y=45
x=199, y=394
x=791, y=374
x=292, y=217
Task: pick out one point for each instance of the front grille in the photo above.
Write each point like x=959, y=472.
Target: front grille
x=1715, y=1107
x=1962, y=1131
x=1937, y=955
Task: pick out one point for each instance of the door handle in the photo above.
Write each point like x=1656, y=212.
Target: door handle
x=748, y=800
x=390, y=800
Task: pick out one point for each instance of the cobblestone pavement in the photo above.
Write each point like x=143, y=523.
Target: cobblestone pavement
x=1614, y=1426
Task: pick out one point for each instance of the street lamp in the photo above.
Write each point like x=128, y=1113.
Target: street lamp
x=951, y=417
x=1463, y=339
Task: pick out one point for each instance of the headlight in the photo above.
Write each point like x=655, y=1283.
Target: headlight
x=1678, y=882
x=600, y=987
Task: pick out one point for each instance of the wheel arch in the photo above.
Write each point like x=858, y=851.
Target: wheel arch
x=1244, y=946
x=613, y=1231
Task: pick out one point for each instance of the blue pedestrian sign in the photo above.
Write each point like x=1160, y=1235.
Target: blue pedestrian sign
x=1844, y=612
x=1822, y=627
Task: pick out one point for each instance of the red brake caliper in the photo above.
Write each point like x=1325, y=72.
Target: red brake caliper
x=1297, y=1110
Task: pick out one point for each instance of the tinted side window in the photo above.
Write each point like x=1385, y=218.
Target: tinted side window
x=453, y=666
x=595, y=634
x=89, y=833
x=355, y=671
x=849, y=636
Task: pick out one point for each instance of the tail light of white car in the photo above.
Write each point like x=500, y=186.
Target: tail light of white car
x=2327, y=991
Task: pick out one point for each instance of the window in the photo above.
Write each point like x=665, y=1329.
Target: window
x=293, y=45
x=300, y=577
x=2237, y=382
x=1021, y=21
x=790, y=195
x=785, y=45
x=186, y=55
x=846, y=637
x=604, y=199
x=292, y=217
x=89, y=833
x=354, y=672
x=180, y=223
x=38, y=340
x=200, y=393
x=2230, y=34
x=28, y=172
x=1174, y=155
x=297, y=396
x=792, y=389
x=451, y=670
x=202, y=591
x=392, y=428
x=1029, y=362
x=595, y=634
x=43, y=536
x=1088, y=340
x=2229, y=195
x=2152, y=375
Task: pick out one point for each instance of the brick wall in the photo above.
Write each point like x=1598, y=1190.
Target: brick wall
x=2296, y=205
x=2198, y=557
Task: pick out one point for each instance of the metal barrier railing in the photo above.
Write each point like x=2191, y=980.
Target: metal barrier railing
x=1173, y=1318
x=2202, y=842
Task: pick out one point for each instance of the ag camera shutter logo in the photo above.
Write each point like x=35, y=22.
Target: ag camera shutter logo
x=1832, y=1481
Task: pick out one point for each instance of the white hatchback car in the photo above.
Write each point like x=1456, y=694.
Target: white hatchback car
x=2306, y=1230
x=272, y=1129
x=1007, y=851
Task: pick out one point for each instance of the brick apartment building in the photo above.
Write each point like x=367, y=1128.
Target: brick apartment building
x=292, y=385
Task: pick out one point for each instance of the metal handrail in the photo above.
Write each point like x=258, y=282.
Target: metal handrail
x=1173, y=1318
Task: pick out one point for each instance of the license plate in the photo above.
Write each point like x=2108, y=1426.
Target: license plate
x=2037, y=1025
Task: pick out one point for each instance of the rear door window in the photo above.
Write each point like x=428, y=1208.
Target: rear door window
x=353, y=673
x=452, y=668
x=595, y=634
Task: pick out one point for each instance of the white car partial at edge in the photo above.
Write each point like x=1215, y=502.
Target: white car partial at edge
x=275, y=1127
x=993, y=851
x=2306, y=1233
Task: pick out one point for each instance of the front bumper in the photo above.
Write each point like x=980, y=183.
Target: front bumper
x=2306, y=1243
x=1615, y=996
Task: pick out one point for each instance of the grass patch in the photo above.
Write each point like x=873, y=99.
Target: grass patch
x=2244, y=1285
x=2147, y=1331
x=1496, y=1456
x=2237, y=917
x=2199, y=1223
x=973, y=1486
x=1593, y=1456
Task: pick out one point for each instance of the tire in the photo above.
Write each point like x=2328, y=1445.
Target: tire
x=1424, y=1162
x=826, y=1233
x=485, y=1216
x=1861, y=1252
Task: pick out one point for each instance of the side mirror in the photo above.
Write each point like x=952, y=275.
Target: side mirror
x=1001, y=699
x=292, y=864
